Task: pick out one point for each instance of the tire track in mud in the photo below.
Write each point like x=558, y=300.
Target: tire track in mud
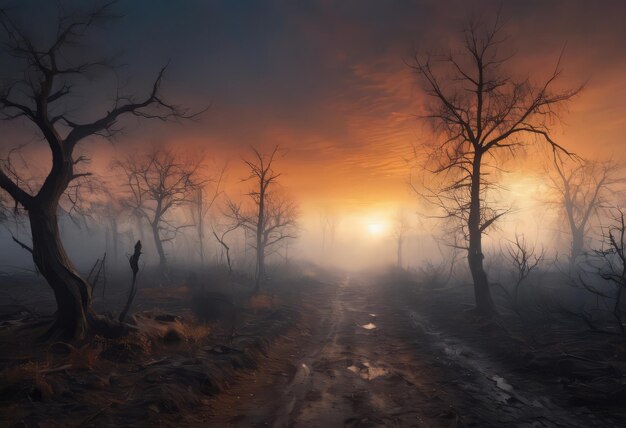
x=365, y=358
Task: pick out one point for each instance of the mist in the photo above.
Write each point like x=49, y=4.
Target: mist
x=312, y=214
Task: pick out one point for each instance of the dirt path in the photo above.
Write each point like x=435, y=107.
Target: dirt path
x=363, y=357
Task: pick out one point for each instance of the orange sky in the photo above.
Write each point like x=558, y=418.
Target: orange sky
x=328, y=82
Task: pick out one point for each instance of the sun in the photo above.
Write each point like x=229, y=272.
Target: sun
x=375, y=228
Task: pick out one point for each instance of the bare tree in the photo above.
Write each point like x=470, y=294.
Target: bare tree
x=400, y=229
x=583, y=187
x=439, y=273
x=328, y=223
x=159, y=182
x=203, y=202
x=221, y=239
x=48, y=73
x=525, y=259
x=609, y=264
x=270, y=218
x=480, y=110
x=106, y=209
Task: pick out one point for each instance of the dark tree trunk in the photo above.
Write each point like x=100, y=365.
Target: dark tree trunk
x=72, y=293
x=159, y=246
x=482, y=293
x=260, y=267
x=260, y=241
x=115, y=238
x=200, y=226
x=577, y=244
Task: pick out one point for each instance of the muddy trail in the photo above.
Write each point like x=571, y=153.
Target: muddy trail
x=363, y=356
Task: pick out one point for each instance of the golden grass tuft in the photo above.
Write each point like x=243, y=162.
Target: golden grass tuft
x=194, y=332
x=262, y=301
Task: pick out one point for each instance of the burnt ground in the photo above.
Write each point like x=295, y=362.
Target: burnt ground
x=316, y=350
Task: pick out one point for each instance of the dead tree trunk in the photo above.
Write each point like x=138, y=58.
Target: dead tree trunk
x=399, y=251
x=260, y=242
x=134, y=267
x=72, y=293
x=159, y=246
x=260, y=267
x=578, y=238
x=484, y=302
x=115, y=238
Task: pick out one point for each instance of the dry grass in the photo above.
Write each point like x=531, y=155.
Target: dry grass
x=29, y=376
x=195, y=332
x=157, y=294
x=262, y=301
x=84, y=357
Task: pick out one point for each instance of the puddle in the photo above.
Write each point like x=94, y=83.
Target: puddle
x=367, y=371
x=372, y=315
x=449, y=350
x=502, y=383
x=302, y=374
x=375, y=372
x=369, y=326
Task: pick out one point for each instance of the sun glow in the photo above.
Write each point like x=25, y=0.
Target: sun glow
x=375, y=228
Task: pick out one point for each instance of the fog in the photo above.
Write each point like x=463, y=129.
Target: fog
x=360, y=238
x=320, y=213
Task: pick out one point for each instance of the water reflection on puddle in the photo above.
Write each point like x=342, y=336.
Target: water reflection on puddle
x=502, y=383
x=367, y=371
x=369, y=326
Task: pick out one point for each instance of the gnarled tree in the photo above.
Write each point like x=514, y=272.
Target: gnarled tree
x=40, y=96
x=158, y=182
x=479, y=110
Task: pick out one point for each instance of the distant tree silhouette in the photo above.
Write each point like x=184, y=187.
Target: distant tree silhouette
x=608, y=263
x=271, y=218
x=583, y=187
x=108, y=211
x=41, y=96
x=479, y=110
x=4, y=208
x=401, y=227
x=203, y=201
x=158, y=182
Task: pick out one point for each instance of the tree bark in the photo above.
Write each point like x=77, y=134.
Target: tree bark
x=159, y=246
x=115, y=238
x=577, y=244
x=482, y=293
x=260, y=267
x=72, y=293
